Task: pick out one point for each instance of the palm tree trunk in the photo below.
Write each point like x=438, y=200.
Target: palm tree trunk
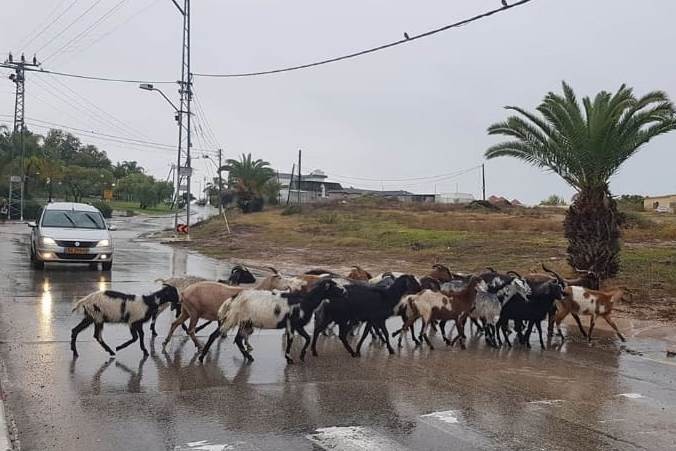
x=592, y=227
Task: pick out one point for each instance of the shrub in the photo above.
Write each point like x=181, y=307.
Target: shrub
x=292, y=210
x=104, y=207
x=630, y=202
x=31, y=209
x=633, y=220
x=328, y=218
x=250, y=205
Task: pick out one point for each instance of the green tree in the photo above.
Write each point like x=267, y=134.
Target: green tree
x=248, y=177
x=553, y=201
x=585, y=146
x=82, y=181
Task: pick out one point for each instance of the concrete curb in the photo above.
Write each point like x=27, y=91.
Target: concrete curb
x=6, y=424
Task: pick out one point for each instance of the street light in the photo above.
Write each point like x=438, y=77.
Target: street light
x=177, y=178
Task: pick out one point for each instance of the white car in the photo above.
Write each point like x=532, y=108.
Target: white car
x=71, y=233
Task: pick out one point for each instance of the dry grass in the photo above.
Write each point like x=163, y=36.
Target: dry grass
x=383, y=236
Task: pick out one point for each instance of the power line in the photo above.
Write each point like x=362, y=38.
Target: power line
x=118, y=26
x=407, y=179
x=406, y=40
x=105, y=15
x=48, y=22
x=77, y=19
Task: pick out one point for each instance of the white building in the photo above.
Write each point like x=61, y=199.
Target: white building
x=454, y=198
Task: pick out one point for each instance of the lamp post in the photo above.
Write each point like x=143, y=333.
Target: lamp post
x=150, y=87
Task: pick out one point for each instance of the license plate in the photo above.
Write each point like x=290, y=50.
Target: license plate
x=76, y=250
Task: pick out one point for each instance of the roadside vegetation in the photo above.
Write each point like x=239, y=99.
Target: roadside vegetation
x=59, y=167
x=391, y=236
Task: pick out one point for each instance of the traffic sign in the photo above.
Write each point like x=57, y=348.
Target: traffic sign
x=182, y=228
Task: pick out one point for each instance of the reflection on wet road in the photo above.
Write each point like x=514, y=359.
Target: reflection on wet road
x=573, y=397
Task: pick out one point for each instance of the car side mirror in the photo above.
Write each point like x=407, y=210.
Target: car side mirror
x=32, y=224
x=112, y=227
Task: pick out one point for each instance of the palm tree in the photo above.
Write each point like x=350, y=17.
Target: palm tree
x=248, y=176
x=586, y=146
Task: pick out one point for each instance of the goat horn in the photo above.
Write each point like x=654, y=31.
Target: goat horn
x=490, y=268
x=272, y=269
x=515, y=273
x=555, y=274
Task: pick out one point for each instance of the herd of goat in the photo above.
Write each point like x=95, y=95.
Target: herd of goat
x=498, y=304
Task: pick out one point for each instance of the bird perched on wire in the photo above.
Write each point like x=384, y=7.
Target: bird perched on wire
x=504, y=3
x=406, y=36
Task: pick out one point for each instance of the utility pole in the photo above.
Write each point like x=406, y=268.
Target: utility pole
x=300, y=177
x=220, y=182
x=483, y=181
x=288, y=193
x=19, y=79
x=183, y=115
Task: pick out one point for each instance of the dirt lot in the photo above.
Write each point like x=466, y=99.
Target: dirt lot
x=383, y=236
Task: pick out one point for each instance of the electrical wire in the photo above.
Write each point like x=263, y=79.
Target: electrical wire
x=407, y=179
x=79, y=36
x=406, y=40
x=77, y=19
x=48, y=23
x=117, y=26
x=97, y=78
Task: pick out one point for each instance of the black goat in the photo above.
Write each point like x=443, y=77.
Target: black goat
x=532, y=309
x=240, y=274
x=363, y=303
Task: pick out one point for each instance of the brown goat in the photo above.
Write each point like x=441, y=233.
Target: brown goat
x=203, y=299
x=583, y=301
x=442, y=306
x=358, y=273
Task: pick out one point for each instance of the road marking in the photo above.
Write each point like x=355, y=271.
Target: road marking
x=631, y=395
x=352, y=438
x=547, y=402
x=446, y=416
x=204, y=445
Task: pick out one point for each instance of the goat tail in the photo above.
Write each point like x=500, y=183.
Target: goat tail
x=228, y=317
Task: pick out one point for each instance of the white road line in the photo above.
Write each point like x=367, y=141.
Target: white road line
x=631, y=395
x=547, y=402
x=446, y=416
x=204, y=445
x=5, y=443
x=352, y=438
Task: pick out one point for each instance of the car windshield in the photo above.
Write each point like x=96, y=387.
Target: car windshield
x=73, y=219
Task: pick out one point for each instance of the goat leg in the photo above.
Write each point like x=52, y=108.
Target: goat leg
x=85, y=323
x=238, y=342
x=214, y=335
x=538, y=324
x=423, y=335
x=202, y=326
x=367, y=329
x=301, y=331
x=152, y=324
x=614, y=326
x=134, y=337
x=320, y=324
x=289, y=343
x=342, y=335
x=576, y=317
x=383, y=328
x=98, y=328
x=591, y=328
x=139, y=330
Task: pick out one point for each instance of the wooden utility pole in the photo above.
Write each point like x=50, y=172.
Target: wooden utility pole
x=300, y=177
x=220, y=182
x=483, y=181
x=288, y=194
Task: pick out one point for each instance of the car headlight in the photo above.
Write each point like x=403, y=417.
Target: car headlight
x=104, y=243
x=45, y=240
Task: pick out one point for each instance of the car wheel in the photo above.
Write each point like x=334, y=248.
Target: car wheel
x=107, y=266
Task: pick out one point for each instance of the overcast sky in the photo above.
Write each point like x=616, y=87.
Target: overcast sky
x=416, y=110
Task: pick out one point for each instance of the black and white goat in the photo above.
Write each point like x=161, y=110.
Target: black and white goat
x=180, y=283
x=363, y=303
x=110, y=306
x=272, y=310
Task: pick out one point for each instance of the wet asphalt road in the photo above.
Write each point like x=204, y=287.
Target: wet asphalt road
x=574, y=397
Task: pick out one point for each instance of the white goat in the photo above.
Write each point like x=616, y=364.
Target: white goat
x=114, y=307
